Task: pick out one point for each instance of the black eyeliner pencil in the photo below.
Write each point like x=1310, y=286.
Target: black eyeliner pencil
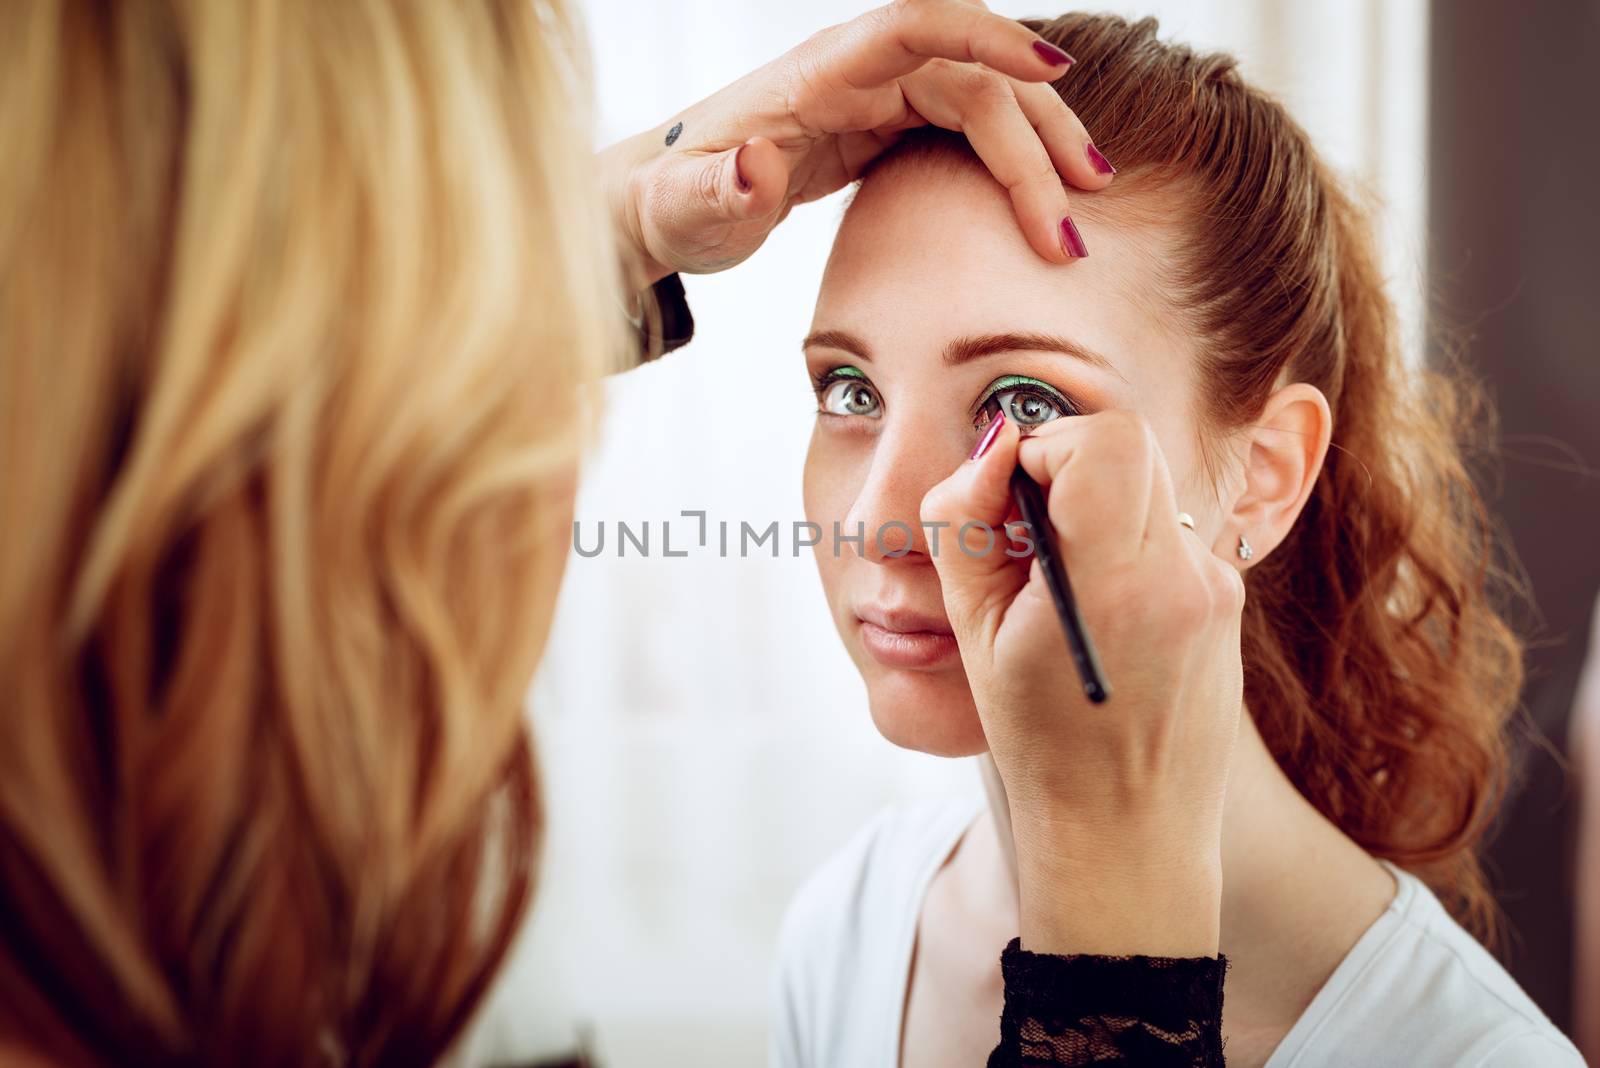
x=1030, y=501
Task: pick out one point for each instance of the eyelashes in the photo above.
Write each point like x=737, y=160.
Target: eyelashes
x=848, y=395
x=821, y=379
x=846, y=391
x=1027, y=401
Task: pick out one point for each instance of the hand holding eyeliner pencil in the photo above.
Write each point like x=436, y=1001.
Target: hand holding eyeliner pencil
x=1030, y=501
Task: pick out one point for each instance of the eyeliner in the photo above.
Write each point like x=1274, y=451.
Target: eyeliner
x=1030, y=501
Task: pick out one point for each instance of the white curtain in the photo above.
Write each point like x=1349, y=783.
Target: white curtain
x=703, y=737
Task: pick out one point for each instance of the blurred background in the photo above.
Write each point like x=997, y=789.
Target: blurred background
x=703, y=736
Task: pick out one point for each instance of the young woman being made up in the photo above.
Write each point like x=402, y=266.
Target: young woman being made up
x=1226, y=350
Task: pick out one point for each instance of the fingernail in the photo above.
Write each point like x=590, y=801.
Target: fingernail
x=738, y=175
x=984, y=442
x=1052, y=55
x=1071, y=240
x=1098, y=161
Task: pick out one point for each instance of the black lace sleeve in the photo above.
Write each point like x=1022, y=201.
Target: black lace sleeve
x=661, y=318
x=1153, y=1012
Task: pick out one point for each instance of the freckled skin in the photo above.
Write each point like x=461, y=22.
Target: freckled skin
x=924, y=256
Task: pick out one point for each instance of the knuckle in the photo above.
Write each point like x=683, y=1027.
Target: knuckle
x=1231, y=595
x=1221, y=590
x=817, y=41
x=1121, y=434
x=1041, y=169
x=1191, y=604
x=901, y=10
x=1066, y=120
x=813, y=52
x=989, y=91
x=708, y=187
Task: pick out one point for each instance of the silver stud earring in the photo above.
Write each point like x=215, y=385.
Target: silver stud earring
x=1245, y=552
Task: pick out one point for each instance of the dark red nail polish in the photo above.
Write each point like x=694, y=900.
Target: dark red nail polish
x=989, y=434
x=738, y=176
x=1052, y=55
x=1071, y=240
x=1098, y=161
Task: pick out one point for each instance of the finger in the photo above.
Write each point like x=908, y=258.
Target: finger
x=1063, y=135
x=713, y=189
x=1100, y=476
x=1003, y=137
x=896, y=39
x=1162, y=531
x=970, y=508
x=1206, y=594
x=1224, y=581
x=761, y=174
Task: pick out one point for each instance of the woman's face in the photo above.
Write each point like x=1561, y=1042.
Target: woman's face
x=934, y=311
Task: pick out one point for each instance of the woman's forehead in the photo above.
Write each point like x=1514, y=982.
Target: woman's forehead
x=927, y=254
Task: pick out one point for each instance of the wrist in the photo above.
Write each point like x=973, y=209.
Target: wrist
x=1119, y=890
x=1130, y=825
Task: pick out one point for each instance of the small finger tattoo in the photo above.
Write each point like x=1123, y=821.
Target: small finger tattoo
x=672, y=134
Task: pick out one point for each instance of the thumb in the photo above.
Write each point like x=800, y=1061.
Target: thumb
x=714, y=189
x=969, y=509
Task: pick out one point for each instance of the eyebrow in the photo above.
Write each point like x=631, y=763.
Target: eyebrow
x=975, y=346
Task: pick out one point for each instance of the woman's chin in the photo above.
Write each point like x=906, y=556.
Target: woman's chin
x=931, y=713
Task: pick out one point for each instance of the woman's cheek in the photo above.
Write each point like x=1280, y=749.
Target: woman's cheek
x=829, y=488
x=829, y=491
x=811, y=480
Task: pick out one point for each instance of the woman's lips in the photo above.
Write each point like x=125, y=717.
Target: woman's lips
x=907, y=640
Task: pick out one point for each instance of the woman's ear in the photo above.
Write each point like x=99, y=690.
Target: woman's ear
x=1284, y=450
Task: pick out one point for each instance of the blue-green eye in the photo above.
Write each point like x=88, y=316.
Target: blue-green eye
x=1026, y=401
x=846, y=391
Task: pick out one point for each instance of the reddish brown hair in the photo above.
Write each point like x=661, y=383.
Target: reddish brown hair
x=1378, y=666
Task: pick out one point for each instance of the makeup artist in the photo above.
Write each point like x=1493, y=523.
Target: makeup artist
x=292, y=296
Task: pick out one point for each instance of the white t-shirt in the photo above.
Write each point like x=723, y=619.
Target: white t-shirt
x=1416, y=990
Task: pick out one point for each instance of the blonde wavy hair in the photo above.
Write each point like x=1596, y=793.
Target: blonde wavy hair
x=298, y=305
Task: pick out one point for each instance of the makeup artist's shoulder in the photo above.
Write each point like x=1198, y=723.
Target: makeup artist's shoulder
x=1419, y=990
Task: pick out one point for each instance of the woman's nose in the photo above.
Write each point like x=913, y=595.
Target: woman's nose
x=884, y=522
